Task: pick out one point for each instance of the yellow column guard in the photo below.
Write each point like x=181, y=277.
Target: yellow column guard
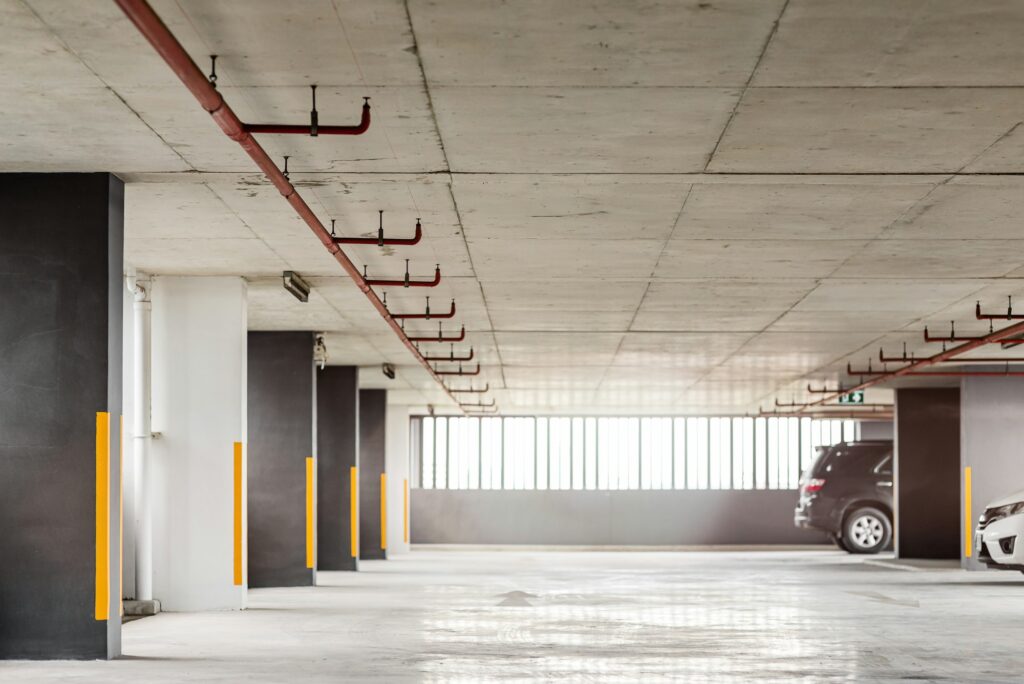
x=102, y=607
x=968, y=527
x=310, y=554
x=383, y=511
x=353, y=514
x=238, y=514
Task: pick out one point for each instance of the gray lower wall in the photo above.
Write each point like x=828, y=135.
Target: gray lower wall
x=992, y=439
x=877, y=429
x=618, y=518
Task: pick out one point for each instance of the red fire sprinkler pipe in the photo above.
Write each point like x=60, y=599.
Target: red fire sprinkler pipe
x=953, y=337
x=380, y=240
x=794, y=404
x=460, y=371
x=971, y=374
x=470, y=410
x=478, y=406
x=174, y=55
x=451, y=356
x=427, y=315
x=1008, y=316
x=993, y=337
x=828, y=415
x=975, y=359
x=940, y=374
x=405, y=282
x=440, y=336
x=471, y=390
x=314, y=128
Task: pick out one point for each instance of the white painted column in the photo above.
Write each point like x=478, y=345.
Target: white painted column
x=128, y=411
x=991, y=445
x=397, y=466
x=198, y=414
x=142, y=437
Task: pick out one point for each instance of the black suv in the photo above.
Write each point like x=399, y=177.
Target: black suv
x=847, y=492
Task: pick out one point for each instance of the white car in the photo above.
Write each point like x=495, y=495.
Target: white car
x=998, y=530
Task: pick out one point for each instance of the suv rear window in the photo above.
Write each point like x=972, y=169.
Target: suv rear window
x=852, y=457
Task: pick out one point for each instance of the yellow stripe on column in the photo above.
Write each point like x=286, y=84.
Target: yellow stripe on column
x=102, y=607
x=353, y=514
x=384, y=511
x=309, y=512
x=238, y=514
x=405, y=511
x=968, y=527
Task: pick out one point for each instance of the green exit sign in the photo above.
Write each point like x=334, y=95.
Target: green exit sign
x=856, y=397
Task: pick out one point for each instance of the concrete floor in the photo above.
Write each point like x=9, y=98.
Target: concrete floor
x=472, y=616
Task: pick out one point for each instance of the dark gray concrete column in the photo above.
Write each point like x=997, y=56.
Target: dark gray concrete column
x=280, y=413
x=927, y=473
x=61, y=283
x=992, y=430
x=337, y=450
x=373, y=409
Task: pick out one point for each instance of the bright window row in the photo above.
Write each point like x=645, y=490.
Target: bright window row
x=620, y=453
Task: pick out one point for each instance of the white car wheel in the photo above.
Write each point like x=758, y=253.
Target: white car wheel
x=867, y=530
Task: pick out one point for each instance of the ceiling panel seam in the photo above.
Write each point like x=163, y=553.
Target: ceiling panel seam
x=647, y=288
x=106, y=85
x=451, y=189
x=910, y=211
x=246, y=224
x=732, y=115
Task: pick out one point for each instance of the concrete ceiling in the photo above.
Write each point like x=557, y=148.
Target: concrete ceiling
x=659, y=207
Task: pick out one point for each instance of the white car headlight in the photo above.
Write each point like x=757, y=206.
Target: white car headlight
x=999, y=512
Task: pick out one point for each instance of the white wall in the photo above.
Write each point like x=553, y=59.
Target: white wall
x=991, y=443
x=397, y=467
x=199, y=411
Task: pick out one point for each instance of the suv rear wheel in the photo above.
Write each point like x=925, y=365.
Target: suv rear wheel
x=866, y=530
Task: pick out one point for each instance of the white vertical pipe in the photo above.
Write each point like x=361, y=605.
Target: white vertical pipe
x=142, y=435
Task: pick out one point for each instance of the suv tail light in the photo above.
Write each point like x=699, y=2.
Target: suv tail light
x=814, y=484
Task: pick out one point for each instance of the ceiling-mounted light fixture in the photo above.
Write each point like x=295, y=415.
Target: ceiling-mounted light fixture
x=388, y=370
x=295, y=284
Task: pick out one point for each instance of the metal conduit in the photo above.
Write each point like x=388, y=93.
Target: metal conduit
x=170, y=50
x=915, y=366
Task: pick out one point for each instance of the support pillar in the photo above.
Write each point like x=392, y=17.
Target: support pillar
x=281, y=461
x=337, y=449
x=61, y=246
x=373, y=405
x=927, y=473
x=398, y=468
x=142, y=438
x=197, y=467
x=992, y=432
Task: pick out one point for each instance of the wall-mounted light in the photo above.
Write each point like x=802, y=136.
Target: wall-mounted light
x=320, y=351
x=295, y=284
x=388, y=370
